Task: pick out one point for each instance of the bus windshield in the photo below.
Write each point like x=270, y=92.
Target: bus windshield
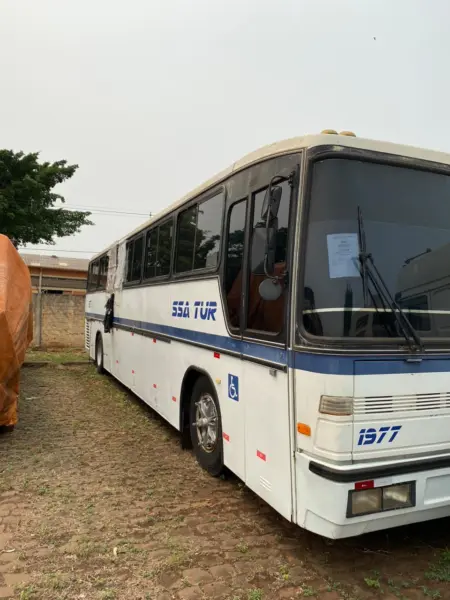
x=407, y=232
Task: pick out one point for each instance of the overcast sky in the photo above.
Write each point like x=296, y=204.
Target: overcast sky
x=151, y=97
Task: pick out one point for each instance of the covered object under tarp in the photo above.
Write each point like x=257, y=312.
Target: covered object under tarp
x=16, y=327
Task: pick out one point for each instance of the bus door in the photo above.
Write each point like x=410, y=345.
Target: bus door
x=264, y=388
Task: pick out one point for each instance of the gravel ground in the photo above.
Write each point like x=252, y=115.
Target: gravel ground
x=98, y=501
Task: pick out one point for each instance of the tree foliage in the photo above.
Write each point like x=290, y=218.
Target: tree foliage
x=27, y=213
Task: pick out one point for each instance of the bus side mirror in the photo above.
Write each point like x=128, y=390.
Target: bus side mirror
x=271, y=204
x=270, y=289
x=263, y=249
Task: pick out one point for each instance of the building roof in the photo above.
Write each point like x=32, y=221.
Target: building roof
x=287, y=147
x=55, y=262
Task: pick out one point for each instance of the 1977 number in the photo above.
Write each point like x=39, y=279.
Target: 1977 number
x=376, y=436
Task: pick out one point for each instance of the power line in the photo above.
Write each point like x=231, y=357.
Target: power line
x=103, y=209
x=58, y=250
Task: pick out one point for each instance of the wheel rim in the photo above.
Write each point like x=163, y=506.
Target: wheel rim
x=99, y=354
x=206, y=423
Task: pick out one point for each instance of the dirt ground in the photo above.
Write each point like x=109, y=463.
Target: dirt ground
x=98, y=501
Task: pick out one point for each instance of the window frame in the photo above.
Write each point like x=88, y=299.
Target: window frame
x=156, y=227
x=205, y=271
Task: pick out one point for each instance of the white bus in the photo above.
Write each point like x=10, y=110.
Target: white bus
x=259, y=316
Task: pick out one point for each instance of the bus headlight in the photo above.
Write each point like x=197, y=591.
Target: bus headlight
x=381, y=499
x=365, y=501
x=339, y=406
x=398, y=496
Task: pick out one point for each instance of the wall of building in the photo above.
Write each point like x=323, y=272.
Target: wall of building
x=58, y=320
x=70, y=281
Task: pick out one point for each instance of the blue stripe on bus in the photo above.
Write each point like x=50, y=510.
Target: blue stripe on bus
x=327, y=364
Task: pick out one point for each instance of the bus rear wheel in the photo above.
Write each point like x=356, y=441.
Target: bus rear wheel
x=206, y=427
x=99, y=355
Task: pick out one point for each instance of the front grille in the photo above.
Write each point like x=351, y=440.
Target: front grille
x=394, y=404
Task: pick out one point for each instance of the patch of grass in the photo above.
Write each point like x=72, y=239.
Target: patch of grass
x=108, y=595
x=284, y=572
x=373, y=581
x=393, y=587
x=440, y=570
x=308, y=591
x=57, y=356
x=434, y=594
x=87, y=549
x=242, y=547
x=56, y=581
x=255, y=594
x=28, y=593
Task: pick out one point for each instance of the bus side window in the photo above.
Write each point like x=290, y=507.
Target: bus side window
x=134, y=259
x=198, y=235
x=137, y=258
x=263, y=315
x=93, y=277
x=150, y=253
x=104, y=263
x=234, y=256
x=187, y=222
x=164, y=249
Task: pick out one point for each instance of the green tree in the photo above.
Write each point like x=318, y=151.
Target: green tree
x=27, y=213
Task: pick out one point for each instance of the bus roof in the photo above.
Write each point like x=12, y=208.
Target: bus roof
x=287, y=147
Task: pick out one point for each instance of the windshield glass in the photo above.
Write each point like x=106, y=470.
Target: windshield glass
x=407, y=230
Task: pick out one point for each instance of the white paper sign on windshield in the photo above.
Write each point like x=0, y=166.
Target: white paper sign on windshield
x=343, y=252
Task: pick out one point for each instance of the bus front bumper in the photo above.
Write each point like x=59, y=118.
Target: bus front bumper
x=338, y=503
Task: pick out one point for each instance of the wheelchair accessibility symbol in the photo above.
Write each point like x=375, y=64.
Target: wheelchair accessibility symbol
x=233, y=387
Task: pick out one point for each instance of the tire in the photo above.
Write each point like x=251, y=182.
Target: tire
x=99, y=355
x=207, y=439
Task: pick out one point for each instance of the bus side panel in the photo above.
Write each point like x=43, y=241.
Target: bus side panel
x=154, y=367
x=268, y=453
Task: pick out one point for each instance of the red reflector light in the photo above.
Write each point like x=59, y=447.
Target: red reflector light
x=261, y=455
x=216, y=354
x=364, y=485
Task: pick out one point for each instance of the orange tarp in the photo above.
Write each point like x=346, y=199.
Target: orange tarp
x=16, y=327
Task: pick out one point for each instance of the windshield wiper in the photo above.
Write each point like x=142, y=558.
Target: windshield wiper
x=369, y=270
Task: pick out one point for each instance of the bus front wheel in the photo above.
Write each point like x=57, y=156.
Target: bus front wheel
x=206, y=427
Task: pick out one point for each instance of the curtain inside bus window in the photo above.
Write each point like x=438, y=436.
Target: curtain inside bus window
x=234, y=260
x=263, y=315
